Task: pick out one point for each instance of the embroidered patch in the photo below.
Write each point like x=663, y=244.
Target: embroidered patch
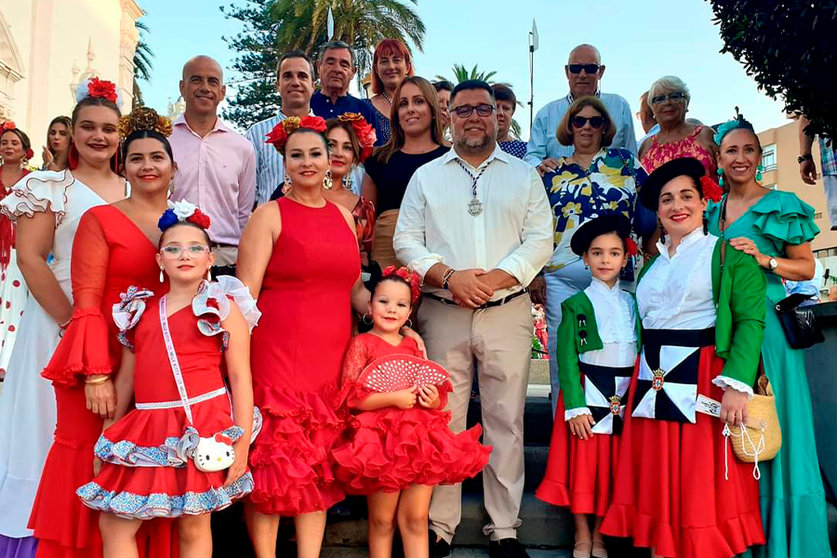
x=657, y=381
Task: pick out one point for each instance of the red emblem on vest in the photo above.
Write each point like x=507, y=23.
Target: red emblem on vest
x=615, y=404
x=657, y=382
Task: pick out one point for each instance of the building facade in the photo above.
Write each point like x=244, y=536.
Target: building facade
x=48, y=46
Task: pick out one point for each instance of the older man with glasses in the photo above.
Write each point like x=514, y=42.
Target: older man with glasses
x=584, y=71
x=476, y=224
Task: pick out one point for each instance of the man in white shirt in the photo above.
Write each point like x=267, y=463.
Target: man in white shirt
x=584, y=71
x=476, y=224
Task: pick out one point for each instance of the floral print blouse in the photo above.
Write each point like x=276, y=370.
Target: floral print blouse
x=577, y=195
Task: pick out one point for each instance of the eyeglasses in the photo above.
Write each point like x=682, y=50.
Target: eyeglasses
x=464, y=111
x=588, y=68
x=596, y=122
x=674, y=97
x=175, y=251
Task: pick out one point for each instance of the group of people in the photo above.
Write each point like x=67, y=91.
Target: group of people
x=141, y=394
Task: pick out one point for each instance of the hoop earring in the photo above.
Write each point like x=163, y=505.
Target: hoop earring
x=409, y=324
x=720, y=172
x=328, y=183
x=162, y=277
x=759, y=176
x=366, y=319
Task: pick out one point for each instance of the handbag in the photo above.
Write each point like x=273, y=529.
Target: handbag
x=799, y=323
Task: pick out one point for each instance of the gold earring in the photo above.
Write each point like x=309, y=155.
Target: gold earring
x=328, y=183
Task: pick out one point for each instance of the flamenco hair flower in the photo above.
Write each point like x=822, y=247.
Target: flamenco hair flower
x=711, y=190
x=144, y=119
x=8, y=125
x=278, y=136
x=364, y=131
x=738, y=122
x=631, y=246
x=411, y=277
x=183, y=212
x=95, y=87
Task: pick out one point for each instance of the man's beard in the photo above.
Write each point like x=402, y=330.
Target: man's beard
x=467, y=145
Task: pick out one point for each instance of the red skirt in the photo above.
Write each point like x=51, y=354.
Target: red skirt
x=392, y=449
x=291, y=460
x=64, y=527
x=579, y=473
x=670, y=493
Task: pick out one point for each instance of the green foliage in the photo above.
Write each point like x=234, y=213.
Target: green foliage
x=254, y=68
x=790, y=48
x=461, y=73
x=142, y=63
x=302, y=25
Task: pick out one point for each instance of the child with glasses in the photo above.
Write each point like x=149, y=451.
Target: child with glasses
x=182, y=452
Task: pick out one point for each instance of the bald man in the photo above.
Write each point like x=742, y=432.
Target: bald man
x=216, y=166
x=584, y=71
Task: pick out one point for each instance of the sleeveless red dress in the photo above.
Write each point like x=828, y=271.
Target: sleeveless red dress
x=296, y=359
x=110, y=253
x=391, y=449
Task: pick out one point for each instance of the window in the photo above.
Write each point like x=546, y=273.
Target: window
x=768, y=157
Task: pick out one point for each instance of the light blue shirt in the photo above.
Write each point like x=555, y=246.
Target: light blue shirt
x=542, y=140
x=270, y=169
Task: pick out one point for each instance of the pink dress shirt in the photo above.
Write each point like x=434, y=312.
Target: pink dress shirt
x=218, y=174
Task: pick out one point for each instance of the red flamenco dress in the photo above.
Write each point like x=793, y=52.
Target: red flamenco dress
x=147, y=470
x=391, y=449
x=110, y=253
x=296, y=357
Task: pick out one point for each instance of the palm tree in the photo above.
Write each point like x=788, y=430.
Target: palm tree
x=461, y=73
x=142, y=63
x=360, y=23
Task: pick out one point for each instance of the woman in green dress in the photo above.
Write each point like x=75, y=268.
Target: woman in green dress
x=776, y=228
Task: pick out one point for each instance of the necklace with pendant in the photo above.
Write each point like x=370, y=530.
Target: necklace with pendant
x=387, y=97
x=475, y=206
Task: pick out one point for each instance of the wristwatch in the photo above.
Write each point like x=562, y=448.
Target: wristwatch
x=772, y=264
x=802, y=158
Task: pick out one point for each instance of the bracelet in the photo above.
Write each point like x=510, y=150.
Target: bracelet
x=446, y=277
x=96, y=380
x=65, y=324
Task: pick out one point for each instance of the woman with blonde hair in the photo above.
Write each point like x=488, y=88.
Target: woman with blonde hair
x=416, y=139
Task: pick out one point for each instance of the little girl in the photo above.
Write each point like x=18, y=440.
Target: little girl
x=167, y=457
x=598, y=343
x=399, y=443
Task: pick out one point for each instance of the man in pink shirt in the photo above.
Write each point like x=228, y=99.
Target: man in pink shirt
x=216, y=166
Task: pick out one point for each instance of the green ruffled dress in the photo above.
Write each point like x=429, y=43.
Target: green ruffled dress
x=792, y=497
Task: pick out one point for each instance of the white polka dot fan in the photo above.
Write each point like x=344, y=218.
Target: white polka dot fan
x=397, y=372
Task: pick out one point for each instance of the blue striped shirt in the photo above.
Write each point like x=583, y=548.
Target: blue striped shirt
x=542, y=140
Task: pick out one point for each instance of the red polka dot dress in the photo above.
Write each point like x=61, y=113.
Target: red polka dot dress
x=13, y=292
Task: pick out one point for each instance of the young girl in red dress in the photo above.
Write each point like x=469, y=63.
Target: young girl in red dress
x=182, y=452
x=599, y=338
x=399, y=443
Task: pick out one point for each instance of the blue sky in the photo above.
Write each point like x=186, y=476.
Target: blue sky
x=639, y=40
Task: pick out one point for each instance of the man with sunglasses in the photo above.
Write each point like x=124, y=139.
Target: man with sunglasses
x=476, y=224
x=584, y=71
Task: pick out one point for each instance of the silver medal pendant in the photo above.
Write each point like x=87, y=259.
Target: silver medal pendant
x=475, y=207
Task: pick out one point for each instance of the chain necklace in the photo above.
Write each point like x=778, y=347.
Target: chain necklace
x=475, y=205
x=387, y=97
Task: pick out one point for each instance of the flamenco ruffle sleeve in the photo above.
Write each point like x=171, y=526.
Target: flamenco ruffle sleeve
x=84, y=349
x=782, y=218
x=38, y=192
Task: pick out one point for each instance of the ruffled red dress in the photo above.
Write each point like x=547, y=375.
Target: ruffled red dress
x=148, y=470
x=296, y=357
x=110, y=253
x=391, y=449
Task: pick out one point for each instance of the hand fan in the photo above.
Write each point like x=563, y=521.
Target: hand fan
x=397, y=372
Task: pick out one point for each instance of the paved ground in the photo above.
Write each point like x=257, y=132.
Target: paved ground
x=457, y=553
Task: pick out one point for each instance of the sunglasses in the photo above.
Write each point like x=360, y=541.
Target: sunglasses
x=674, y=97
x=464, y=111
x=596, y=122
x=588, y=68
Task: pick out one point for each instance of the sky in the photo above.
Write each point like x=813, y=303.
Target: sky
x=640, y=41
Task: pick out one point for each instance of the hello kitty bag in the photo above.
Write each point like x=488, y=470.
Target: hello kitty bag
x=210, y=454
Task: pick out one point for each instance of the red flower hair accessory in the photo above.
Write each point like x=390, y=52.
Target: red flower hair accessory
x=29, y=154
x=278, y=136
x=364, y=131
x=8, y=125
x=180, y=212
x=411, y=277
x=101, y=88
x=711, y=190
x=631, y=247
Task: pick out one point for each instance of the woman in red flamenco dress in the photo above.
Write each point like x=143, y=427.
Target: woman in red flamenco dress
x=399, y=444
x=114, y=248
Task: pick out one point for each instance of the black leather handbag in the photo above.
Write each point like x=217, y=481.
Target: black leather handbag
x=799, y=323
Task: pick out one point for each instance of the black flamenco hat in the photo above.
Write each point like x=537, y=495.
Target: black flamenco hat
x=607, y=223
x=649, y=195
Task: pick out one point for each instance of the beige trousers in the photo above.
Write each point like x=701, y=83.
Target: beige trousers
x=225, y=255
x=499, y=341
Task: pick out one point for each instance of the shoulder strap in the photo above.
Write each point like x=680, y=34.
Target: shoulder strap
x=175, y=365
